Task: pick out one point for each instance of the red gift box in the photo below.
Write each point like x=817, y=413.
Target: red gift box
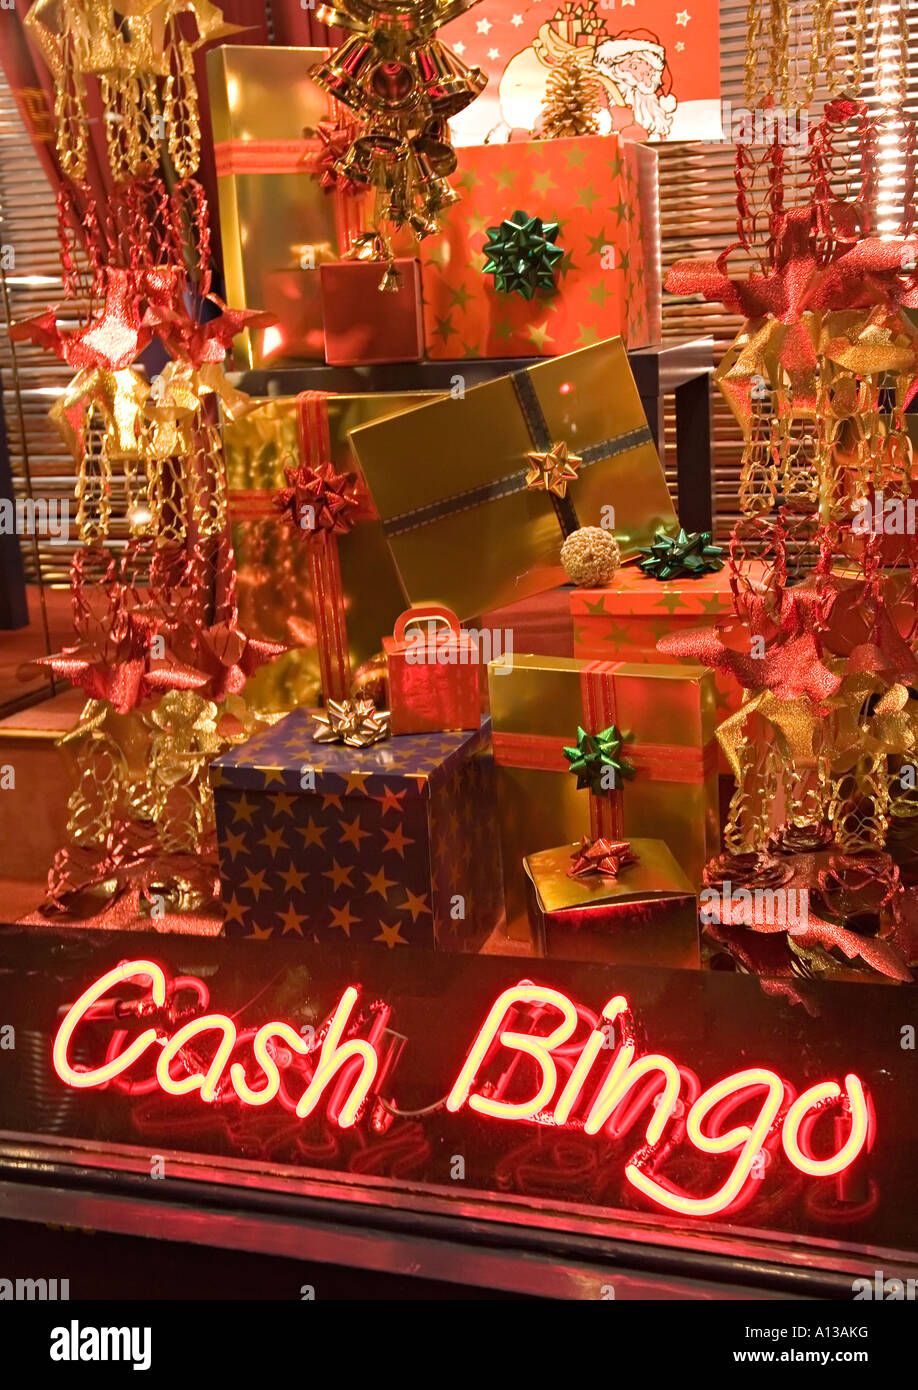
x=433, y=676
x=602, y=192
x=625, y=620
x=364, y=324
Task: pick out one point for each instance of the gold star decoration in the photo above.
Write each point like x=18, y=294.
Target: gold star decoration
x=378, y=883
x=293, y=879
x=293, y=921
x=390, y=936
x=553, y=470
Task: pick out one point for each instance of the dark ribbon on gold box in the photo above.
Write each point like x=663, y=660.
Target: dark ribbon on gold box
x=544, y=753
x=520, y=481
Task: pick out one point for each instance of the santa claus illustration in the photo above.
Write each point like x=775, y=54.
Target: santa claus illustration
x=630, y=67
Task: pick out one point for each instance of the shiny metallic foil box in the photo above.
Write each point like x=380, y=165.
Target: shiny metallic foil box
x=646, y=916
x=449, y=479
x=667, y=712
x=277, y=225
x=275, y=597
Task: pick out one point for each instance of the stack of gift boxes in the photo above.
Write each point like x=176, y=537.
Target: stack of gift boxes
x=433, y=781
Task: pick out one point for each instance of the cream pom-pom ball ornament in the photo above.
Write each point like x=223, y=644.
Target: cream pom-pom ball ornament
x=590, y=556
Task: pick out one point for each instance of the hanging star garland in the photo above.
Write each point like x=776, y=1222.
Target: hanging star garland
x=553, y=470
x=594, y=755
x=606, y=857
x=357, y=723
x=686, y=556
x=522, y=255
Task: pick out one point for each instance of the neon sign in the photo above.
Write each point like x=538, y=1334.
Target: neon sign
x=529, y=1062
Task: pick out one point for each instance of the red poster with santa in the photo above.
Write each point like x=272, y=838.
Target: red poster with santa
x=657, y=61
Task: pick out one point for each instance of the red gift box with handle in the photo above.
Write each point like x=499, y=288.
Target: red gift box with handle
x=434, y=675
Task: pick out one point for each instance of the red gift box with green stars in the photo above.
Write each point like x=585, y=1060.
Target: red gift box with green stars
x=595, y=198
x=625, y=620
x=395, y=844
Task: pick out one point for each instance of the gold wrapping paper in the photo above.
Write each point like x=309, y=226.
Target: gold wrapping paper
x=277, y=224
x=481, y=553
x=275, y=599
x=646, y=916
x=666, y=706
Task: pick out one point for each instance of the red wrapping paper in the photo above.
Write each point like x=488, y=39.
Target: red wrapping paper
x=437, y=687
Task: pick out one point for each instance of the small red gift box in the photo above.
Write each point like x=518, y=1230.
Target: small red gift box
x=433, y=674
x=364, y=324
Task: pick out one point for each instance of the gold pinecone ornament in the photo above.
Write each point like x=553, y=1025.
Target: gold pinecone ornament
x=573, y=99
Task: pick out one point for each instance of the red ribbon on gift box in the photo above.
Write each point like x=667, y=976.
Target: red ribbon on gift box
x=308, y=155
x=324, y=563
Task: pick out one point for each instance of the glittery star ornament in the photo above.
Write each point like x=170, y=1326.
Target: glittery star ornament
x=606, y=857
x=594, y=755
x=553, y=470
x=686, y=556
x=357, y=723
x=522, y=255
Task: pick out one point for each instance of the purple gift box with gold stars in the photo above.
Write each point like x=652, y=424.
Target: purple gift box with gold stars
x=394, y=844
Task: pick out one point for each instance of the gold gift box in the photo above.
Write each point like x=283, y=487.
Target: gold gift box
x=448, y=480
x=277, y=225
x=669, y=711
x=646, y=916
x=275, y=595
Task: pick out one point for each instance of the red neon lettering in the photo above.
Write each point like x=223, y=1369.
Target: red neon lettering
x=586, y=1061
x=343, y=1070
x=205, y=1082
x=265, y=1060
x=92, y=1000
x=800, y=1118
x=538, y=1047
x=622, y=1076
x=333, y=1056
x=749, y=1139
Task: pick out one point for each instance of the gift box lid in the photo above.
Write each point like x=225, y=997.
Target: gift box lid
x=504, y=666
x=277, y=759
x=631, y=593
x=655, y=875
